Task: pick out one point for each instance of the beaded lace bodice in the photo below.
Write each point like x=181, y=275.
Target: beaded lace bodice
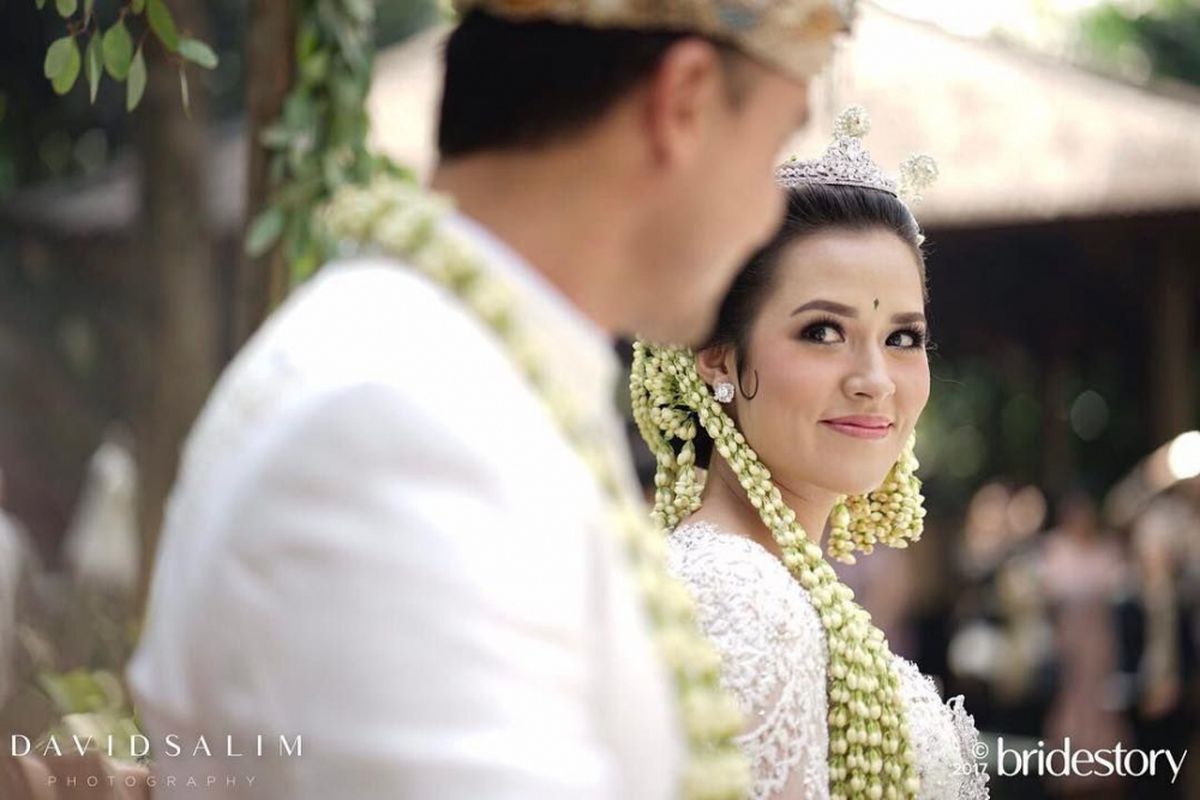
x=774, y=658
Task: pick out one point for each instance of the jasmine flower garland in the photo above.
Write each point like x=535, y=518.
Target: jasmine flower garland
x=893, y=515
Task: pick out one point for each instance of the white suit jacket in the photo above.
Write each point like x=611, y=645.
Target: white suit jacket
x=379, y=542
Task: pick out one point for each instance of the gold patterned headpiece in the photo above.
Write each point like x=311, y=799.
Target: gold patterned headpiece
x=793, y=36
x=847, y=163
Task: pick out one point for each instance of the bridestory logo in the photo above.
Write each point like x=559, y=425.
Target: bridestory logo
x=1066, y=760
x=171, y=746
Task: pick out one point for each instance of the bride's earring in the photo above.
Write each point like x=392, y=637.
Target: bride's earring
x=893, y=514
x=723, y=391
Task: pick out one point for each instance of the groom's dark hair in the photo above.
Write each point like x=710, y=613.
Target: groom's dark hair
x=523, y=84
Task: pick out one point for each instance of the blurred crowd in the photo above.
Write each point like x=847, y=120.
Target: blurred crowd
x=1057, y=622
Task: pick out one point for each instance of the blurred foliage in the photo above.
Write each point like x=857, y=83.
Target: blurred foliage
x=73, y=641
x=395, y=22
x=90, y=704
x=113, y=50
x=319, y=141
x=987, y=418
x=1163, y=40
x=44, y=135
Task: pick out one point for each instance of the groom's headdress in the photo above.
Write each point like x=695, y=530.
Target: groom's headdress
x=793, y=36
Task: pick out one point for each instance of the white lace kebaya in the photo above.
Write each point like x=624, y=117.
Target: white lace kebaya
x=774, y=660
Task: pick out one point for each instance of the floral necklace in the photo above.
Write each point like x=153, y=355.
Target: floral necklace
x=406, y=223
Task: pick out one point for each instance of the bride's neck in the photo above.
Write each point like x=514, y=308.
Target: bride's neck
x=724, y=503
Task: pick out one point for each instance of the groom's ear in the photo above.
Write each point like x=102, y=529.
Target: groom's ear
x=715, y=364
x=684, y=96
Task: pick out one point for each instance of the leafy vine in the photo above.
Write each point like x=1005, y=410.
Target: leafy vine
x=318, y=144
x=115, y=50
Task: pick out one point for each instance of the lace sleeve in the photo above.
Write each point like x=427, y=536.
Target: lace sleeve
x=975, y=776
x=773, y=657
x=944, y=736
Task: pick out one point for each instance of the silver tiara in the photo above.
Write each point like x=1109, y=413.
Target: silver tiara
x=847, y=163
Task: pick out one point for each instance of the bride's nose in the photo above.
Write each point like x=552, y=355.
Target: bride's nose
x=868, y=377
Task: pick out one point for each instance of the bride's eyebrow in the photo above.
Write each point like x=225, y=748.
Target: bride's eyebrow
x=909, y=318
x=841, y=309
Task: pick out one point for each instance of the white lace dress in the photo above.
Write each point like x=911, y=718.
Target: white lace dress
x=774, y=657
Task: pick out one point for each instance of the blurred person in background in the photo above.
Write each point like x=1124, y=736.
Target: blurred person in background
x=1156, y=622
x=1082, y=571
x=101, y=549
x=1003, y=649
x=10, y=575
x=20, y=569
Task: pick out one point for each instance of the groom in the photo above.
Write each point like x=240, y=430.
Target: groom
x=379, y=542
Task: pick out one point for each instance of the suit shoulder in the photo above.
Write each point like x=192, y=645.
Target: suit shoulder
x=375, y=311
x=365, y=322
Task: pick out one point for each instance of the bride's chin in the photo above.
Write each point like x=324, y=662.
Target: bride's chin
x=861, y=483
x=857, y=477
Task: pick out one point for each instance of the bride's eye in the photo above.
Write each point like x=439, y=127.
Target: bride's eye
x=824, y=331
x=908, y=339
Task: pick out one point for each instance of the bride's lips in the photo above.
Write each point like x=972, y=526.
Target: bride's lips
x=860, y=426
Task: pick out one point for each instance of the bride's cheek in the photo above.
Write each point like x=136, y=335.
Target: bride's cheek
x=915, y=385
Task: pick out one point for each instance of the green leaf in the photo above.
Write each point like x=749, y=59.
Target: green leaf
x=275, y=136
x=137, y=81
x=315, y=68
x=197, y=52
x=66, y=7
x=66, y=79
x=163, y=24
x=62, y=64
x=73, y=692
x=361, y=12
x=41, y=4
x=88, y=7
x=183, y=92
x=138, y=6
x=93, y=66
x=118, y=51
x=265, y=231
x=57, y=56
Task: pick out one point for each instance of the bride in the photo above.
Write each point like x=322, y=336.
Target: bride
x=802, y=408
